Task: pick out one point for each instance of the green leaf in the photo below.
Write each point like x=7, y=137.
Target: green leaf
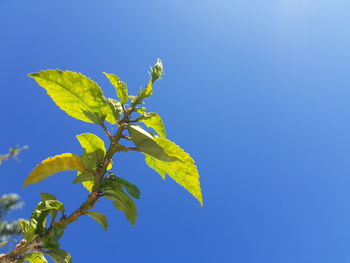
x=94, y=150
x=27, y=229
x=153, y=121
x=59, y=256
x=120, y=87
x=93, y=155
x=143, y=94
x=146, y=144
x=36, y=224
x=3, y=243
x=77, y=95
x=140, y=110
x=132, y=189
x=83, y=177
x=113, y=182
x=99, y=218
x=51, y=241
x=183, y=171
x=50, y=205
x=116, y=107
x=35, y=257
x=122, y=202
x=53, y=165
x=38, y=220
x=47, y=196
x=128, y=207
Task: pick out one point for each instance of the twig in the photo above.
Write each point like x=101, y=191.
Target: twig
x=24, y=247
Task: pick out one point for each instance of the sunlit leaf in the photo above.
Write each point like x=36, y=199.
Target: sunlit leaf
x=88, y=185
x=59, y=256
x=53, y=165
x=183, y=171
x=94, y=150
x=38, y=220
x=50, y=205
x=28, y=229
x=146, y=144
x=143, y=94
x=83, y=177
x=44, y=207
x=120, y=87
x=47, y=196
x=77, y=95
x=141, y=110
x=94, y=153
x=153, y=121
x=116, y=107
x=35, y=257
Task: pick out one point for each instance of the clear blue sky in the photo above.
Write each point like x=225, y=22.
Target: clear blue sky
x=257, y=92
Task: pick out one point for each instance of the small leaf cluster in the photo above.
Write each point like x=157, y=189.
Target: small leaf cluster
x=46, y=233
x=82, y=98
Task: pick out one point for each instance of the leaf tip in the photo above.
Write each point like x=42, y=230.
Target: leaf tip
x=201, y=202
x=32, y=75
x=25, y=184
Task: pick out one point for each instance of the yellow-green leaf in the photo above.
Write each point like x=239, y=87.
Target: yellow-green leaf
x=120, y=87
x=28, y=229
x=183, y=171
x=94, y=152
x=35, y=257
x=59, y=256
x=100, y=218
x=146, y=144
x=88, y=185
x=50, y=197
x=53, y=165
x=153, y=120
x=143, y=94
x=76, y=94
x=116, y=107
x=50, y=205
x=47, y=196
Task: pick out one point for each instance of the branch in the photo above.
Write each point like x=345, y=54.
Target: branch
x=110, y=136
x=24, y=247
x=126, y=149
x=126, y=137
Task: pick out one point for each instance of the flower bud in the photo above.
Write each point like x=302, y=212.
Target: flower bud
x=157, y=70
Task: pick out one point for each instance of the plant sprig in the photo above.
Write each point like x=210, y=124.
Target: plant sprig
x=83, y=99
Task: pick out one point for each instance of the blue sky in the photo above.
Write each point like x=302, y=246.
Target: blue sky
x=256, y=91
